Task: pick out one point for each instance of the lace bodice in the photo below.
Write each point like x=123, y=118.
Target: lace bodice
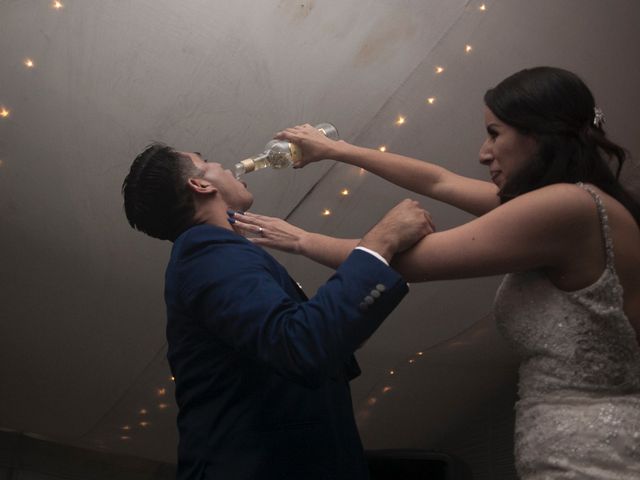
x=579, y=382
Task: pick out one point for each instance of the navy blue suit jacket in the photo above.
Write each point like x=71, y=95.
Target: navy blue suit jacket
x=261, y=372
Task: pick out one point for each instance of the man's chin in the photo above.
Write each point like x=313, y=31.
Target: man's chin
x=246, y=205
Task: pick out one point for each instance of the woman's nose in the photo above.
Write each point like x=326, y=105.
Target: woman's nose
x=485, y=155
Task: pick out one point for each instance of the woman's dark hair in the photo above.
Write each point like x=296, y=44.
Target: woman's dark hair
x=557, y=108
x=157, y=200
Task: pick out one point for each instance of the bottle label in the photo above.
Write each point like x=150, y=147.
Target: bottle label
x=296, y=153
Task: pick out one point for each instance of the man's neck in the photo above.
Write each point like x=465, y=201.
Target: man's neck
x=214, y=214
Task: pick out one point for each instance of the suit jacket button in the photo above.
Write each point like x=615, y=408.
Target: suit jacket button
x=375, y=294
x=381, y=288
x=368, y=300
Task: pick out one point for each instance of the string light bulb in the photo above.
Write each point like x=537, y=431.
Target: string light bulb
x=439, y=70
x=401, y=120
x=382, y=148
x=483, y=8
x=431, y=100
x=344, y=192
x=126, y=428
x=468, y=48
x=29, y=63
x=386, y=389
x=144, y=424
x=162, y=392
x=143, y=411
x=162, y=406
x=4, y=113
x=57, y=5
x=326, y=212
x=392, y=372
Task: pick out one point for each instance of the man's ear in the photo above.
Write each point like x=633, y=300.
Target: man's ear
x=201, y=185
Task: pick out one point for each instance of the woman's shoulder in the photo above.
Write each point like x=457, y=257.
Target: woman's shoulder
x=562, y=200
x=575, y=193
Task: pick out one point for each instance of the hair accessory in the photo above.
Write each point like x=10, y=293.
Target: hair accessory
x=598, y=117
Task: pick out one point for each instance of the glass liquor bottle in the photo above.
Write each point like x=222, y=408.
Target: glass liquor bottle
x=279, y=153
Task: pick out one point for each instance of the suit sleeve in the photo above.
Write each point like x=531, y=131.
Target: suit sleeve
x=232, y=290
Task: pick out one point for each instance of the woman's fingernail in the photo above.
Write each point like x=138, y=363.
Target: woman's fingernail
x=231, y=220
x=231, y=212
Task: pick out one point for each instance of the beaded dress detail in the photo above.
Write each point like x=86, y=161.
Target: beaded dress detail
x=578, y=414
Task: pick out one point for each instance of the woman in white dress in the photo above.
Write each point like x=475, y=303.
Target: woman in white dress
x=558, y=222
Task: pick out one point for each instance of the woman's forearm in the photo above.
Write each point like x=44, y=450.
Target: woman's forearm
x=474, y=196
x=326, y=250
x=415, y=175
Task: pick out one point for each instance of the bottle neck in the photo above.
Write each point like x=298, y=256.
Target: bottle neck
x=251, y=164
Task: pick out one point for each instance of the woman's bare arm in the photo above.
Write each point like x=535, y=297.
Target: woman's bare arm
x=536, y=230
x=474, y=196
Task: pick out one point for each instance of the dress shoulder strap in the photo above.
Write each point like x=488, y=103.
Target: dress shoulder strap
x=604, y=224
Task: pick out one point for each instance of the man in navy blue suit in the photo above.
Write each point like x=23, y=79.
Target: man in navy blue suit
x=261, y=371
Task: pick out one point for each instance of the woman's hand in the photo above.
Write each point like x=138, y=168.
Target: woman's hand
x=267, y=231
x=314, y=145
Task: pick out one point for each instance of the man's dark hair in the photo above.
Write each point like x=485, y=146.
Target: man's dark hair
x=557, y=108
x=157, y=199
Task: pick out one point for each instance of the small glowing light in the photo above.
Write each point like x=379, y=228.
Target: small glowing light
x=431, y=100
x=413, y=360
x=468, y=48
x=126, y=427
x=125, y=437
x=162, y=392
x=143, y=411
x=4, y=112
x=57, y=5
x=29, y=63
x=144, y=424
x=326, y=212
x=372, y=401
x=382, y=148
x=392, y=372
x=344, y=192
x=173, y=379
x=420, y=353
x=386, y=389
x=401, y=120
x=439, y=69
x=482, y=7
x=162, y=406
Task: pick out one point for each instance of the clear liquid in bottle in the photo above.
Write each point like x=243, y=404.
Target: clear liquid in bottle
x=279, y=153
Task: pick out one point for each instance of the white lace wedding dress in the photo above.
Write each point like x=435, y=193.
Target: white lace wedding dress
x=578, y=414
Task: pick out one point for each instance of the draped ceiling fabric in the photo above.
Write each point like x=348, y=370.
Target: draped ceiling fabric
x=82, y=333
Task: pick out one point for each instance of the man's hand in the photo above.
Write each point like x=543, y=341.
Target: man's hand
x=403, y=226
